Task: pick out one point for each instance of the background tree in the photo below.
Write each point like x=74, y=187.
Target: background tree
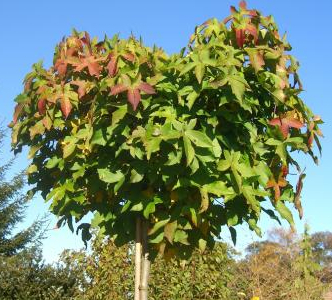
x=109, y=271
x=282, y=267
x=322, y=252
x=168, y=147
x=13, y=204
x=23, y=274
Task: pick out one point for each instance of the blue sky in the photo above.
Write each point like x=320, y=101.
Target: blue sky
x=30, y=30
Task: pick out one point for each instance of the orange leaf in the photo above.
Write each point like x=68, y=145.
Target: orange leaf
x=66, y=106
x=81, y=87
x=41, y=106
x=17, y=112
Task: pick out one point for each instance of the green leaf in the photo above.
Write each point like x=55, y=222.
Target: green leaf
x=201, y=245
x=152, y=146
x=135, y=176
x=199, y=138
x=157, y=239
x=284, y=212
x=169, y=231
x=232, y=220
x=33, y=150
x=38, y=128
x=216, y=148
x=191, y=98
x=251, y=199
x=109, y=177
x=99, y=137
x=137, y=207
x=218, y=188
x=126, y=206
x=238, y=85
x=223, y=165
x=189, y=150
x=205, y=201
x=199, y=72
x=119, y=114
x=187, y=67
x=68, y=149
x=32, y=169
x=158, y=225
x=149, y=209
x=181, y=236
x=253, y=226
x=53, y=162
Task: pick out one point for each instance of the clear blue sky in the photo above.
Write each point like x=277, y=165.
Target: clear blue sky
x=30, y=29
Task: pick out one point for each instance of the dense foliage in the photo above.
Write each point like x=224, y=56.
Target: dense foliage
x=25, y=276
x=110, y=270
x=281, y=267
x=190, y=142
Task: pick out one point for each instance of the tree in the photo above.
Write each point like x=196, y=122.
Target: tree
x=322, y=247
x=168, y=148
x=13, y=203
x=23, y=275
x=109, y=272
x=282, y=267
x=26, y=276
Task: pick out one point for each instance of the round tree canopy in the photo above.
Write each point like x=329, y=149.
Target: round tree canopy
x=189, y=142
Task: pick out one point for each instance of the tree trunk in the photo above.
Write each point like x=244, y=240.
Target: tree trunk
x=145, y=263
x=138, y=258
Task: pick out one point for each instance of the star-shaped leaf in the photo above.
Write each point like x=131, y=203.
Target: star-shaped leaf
x=285, y=123
x=133, y=90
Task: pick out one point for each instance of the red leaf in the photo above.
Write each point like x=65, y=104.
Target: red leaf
x=93, y=67
x=284, y=170
x=243, y=5
x=47, y=122
x=252, y=13
x=253, y=31
x=112, y=66
x=118, y=88
x=129, y=56
x=91, y=63
x=86, y=39
x=134, y=97
x=81, y=87
x=41, y=106
x=17, y=112
x=285, y=124
x=240, y=36
x=27, y=84
x=233, y=9
x=293, y=123
x=61, y=66
x=276, y=186
x=65, y=106
x=146, y=88
x=297, y=199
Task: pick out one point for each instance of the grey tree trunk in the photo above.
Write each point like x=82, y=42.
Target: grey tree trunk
x=138, y=257
x=145, y=263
